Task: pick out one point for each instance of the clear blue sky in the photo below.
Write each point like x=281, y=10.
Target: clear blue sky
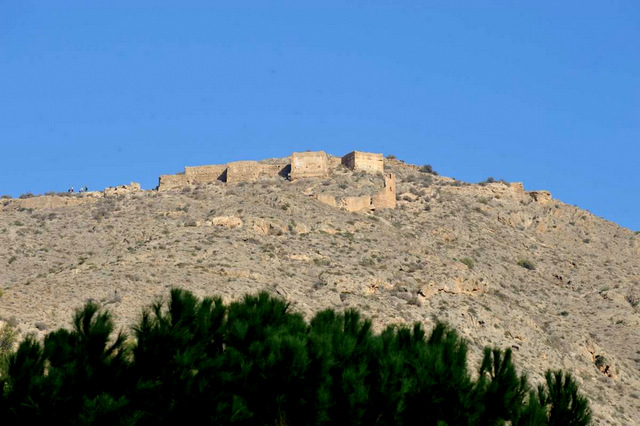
x=101, y=93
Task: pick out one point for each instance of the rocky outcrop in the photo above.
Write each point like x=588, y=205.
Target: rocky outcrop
x=51, y=201
x=458, y=285
x=122, y=189
x=541, y=196
x=267, y=226
x=224, y=221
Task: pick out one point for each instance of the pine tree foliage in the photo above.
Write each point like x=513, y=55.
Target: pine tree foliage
x=255, y=362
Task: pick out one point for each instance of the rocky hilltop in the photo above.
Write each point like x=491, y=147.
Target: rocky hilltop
x=505, y=266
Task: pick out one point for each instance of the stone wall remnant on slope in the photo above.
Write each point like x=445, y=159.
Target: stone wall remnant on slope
x=169, y=182
x=309, y=165
x=268, y=171
x=206, y=174
x=302, y=165
x=243, y=171
x=327, y=199
x=355, y=204
x=364, y=161
x=386, y=199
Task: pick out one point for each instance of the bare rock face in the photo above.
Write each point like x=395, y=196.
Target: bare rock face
x=541, y=196
x=327, y=199
x=267, y=226
x=122, y=189
x=470, y=285
x=229, y=222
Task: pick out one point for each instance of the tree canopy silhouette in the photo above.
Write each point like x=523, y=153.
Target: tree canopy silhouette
x=255, y=362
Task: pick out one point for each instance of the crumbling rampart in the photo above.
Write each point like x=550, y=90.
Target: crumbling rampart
x=301, y=165
x=204, y=174
x=386, y=199
x=309, y=165
x=364, y=161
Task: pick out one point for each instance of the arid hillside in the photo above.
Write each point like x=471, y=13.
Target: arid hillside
x=506, y=267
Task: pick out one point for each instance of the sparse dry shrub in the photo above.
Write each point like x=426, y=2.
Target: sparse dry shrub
x=468, y=261
x=99, y=214
x=26, y=195
x=526, y=264
x=8, y=337
x=426, y=181
x=367, y=262
x=427, y=168
x=416, y=191
x=104, y=208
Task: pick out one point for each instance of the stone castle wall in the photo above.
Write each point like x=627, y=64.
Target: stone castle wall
x=275, y=170
x=386, y=199
x=355, y=204
x=309, y=165
x=205, y=174
x=242, y=171
x=303, y=165
x=177, y=181
x=333, y=161
x=364, y=161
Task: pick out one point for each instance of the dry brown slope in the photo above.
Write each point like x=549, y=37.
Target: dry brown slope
x=450, y=251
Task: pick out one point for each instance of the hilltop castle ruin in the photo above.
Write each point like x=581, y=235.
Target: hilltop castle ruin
x=300, y=165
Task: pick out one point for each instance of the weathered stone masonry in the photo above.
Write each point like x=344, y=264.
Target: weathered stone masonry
x=303, y=165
